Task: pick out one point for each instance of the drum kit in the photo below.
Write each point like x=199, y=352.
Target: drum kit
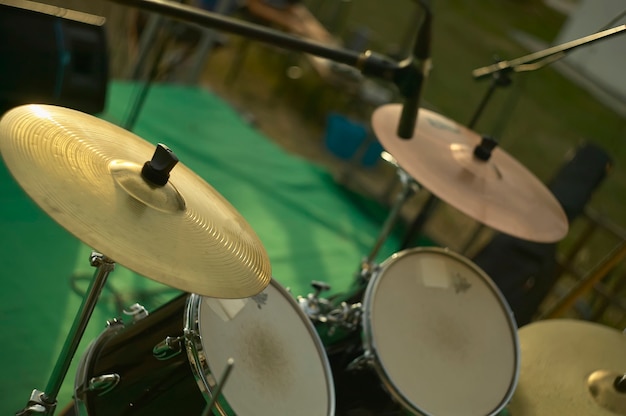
x=424, y=332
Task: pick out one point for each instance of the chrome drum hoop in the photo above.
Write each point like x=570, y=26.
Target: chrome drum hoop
x=195, y=352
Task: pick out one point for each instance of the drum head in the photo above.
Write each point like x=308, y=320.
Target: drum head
x=280, y=367
x=440, y=334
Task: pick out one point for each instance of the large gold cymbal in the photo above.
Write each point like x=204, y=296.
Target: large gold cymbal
x=498, y=192
x=570, y=367
x=85, y=173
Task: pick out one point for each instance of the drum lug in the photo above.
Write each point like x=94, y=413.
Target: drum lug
x=360, y=363
x=100, y=384
x=137, y=311
x=313, y=305
x=114, y=323
x=104, y=383
x=168, y=348
x=345, y=316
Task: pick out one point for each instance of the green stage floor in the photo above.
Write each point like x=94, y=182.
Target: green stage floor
x=312, y=228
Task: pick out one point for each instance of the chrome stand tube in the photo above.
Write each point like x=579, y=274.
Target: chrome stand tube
x=408, y=187
x=45, y=402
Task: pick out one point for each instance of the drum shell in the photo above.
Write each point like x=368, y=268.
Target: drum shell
x=280, y=362
x=147, y=385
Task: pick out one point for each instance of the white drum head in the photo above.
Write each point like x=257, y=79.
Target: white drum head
x=280, y=367
x=440, y=334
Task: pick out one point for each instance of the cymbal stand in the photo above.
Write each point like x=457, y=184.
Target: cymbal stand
x=319, y=309
x=499, y=74
x=348, y=311
x=408, y=187
x=150, y=37
x=534, y=61
x=498, y=79
x=44, y=402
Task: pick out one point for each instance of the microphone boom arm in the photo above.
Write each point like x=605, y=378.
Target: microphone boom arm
x=546, y=53
x=369, y=63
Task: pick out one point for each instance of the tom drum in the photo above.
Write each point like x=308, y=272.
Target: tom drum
x=169, y=361
x=439, y=334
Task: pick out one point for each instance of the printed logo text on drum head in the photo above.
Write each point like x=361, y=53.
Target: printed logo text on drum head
x=461, y=285
x=443, y=124
x=260, y=299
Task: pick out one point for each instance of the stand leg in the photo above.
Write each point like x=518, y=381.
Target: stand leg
x=418, y=223
x=587, y=283
x=45, y=402
x=408, y=187
x=218, y=389
x=499, y=79
x=140, y=99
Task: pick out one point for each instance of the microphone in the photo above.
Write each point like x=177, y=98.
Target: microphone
x=418, y=71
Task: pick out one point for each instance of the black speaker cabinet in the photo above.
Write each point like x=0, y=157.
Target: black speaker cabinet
x=51, y=55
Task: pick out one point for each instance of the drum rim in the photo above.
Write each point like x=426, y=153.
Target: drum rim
x=195, y=350
x=369, y=344
x=199, y=363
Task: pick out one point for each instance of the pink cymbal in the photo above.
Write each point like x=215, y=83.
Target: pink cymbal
x=495, y=190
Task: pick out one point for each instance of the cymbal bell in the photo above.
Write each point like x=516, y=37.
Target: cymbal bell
x=473, y=175
x=570, y=367
x=90, y=176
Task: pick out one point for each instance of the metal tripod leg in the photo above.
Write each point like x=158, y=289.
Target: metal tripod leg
x=409, y=186
x=44, y=402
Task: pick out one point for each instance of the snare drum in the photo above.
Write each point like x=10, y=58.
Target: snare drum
x=439, y=335
x=169, y=361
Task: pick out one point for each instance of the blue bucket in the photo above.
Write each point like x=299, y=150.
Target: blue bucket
x=344, y=137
